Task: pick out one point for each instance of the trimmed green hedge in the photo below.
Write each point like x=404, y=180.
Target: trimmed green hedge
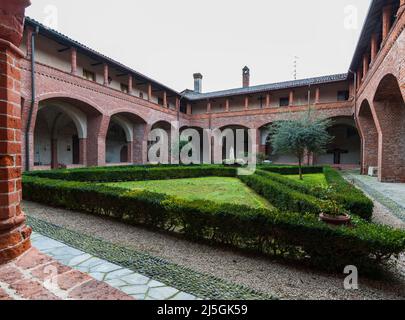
x=136, y=173
x=351, y=198
x=290, y=170
x=281, y=195
x=282, y=234
x=348, y=195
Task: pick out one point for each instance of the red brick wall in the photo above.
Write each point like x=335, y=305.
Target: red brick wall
x=386, y=101
x=14, y=235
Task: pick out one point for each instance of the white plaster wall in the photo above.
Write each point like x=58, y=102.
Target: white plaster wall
x=65, y=144
x=47, y=53
x=113, y=150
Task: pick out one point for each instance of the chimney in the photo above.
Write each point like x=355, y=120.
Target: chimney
x=246, y=77
x=198, y=82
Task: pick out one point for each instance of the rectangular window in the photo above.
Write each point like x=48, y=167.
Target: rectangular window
x=284, y=102
x=124, y=88
x=89, y=75
x=343, y=95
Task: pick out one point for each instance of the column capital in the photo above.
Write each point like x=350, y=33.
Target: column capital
x=12, y=14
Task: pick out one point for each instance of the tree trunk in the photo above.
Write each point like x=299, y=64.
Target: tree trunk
x=300, y=168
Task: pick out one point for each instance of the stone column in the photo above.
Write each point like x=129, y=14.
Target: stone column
x=14, y=234
x=73, y=59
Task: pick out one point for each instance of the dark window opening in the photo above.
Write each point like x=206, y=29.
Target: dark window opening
x=284, y=102
x=343, y=95
x=124, y=88
x=89, y=75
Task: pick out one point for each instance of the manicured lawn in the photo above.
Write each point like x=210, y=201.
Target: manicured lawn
x=223, y=190
x=311, y=179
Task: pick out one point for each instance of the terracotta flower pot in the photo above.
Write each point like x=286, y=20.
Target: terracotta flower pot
x=335, y=220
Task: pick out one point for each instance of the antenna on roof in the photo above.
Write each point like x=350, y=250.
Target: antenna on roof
x=295, y=67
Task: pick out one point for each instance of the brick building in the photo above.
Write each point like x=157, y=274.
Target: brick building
x=81, y=108
x=61, y=102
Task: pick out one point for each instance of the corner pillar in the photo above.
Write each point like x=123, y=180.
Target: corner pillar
x=14, y=234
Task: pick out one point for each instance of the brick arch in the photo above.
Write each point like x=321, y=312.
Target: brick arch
x=130, y=111
x=389, y=111
x=369, y=136
x=71, y=96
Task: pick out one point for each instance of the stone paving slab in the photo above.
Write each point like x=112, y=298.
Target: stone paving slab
x=391, y=195
x=37, y=276
x=129, y=282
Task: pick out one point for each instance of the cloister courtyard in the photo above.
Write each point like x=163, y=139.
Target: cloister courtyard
x=114, y=186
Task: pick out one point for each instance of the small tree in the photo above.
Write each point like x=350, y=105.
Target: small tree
x=297, y=137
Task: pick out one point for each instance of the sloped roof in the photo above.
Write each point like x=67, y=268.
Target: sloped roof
x=266, y=87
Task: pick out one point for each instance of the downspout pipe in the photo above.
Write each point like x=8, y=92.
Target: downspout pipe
x=33, y=101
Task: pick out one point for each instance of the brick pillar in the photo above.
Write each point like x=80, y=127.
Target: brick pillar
x=401, y=7
x=374, y=47
x=149, y=92
x=386, y=21
x=209, y=107
x=144, y=145
x=317, y=95
x=291, y=98
x=83, y=151
x=268, y=100
x=359, y=78
x=130, y=84
x=226, y=105
x=164, y=99
x=177, y=104
x=54, y=153
x=369, y=139
x=130, y=154
x=28, y=42
x=97, y=133
x=365, y=65
x=189, y=109
x=14, y=235
x=246, y=103
x=106, y=75
x=73, y=60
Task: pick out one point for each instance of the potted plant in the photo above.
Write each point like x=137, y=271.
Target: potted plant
x=333, y=213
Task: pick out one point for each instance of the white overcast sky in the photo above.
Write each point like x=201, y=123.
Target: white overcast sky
x=169, y=40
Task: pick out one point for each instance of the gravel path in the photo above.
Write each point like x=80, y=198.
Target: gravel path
x=287, y=282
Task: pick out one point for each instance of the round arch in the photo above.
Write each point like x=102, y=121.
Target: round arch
x=389, y=110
